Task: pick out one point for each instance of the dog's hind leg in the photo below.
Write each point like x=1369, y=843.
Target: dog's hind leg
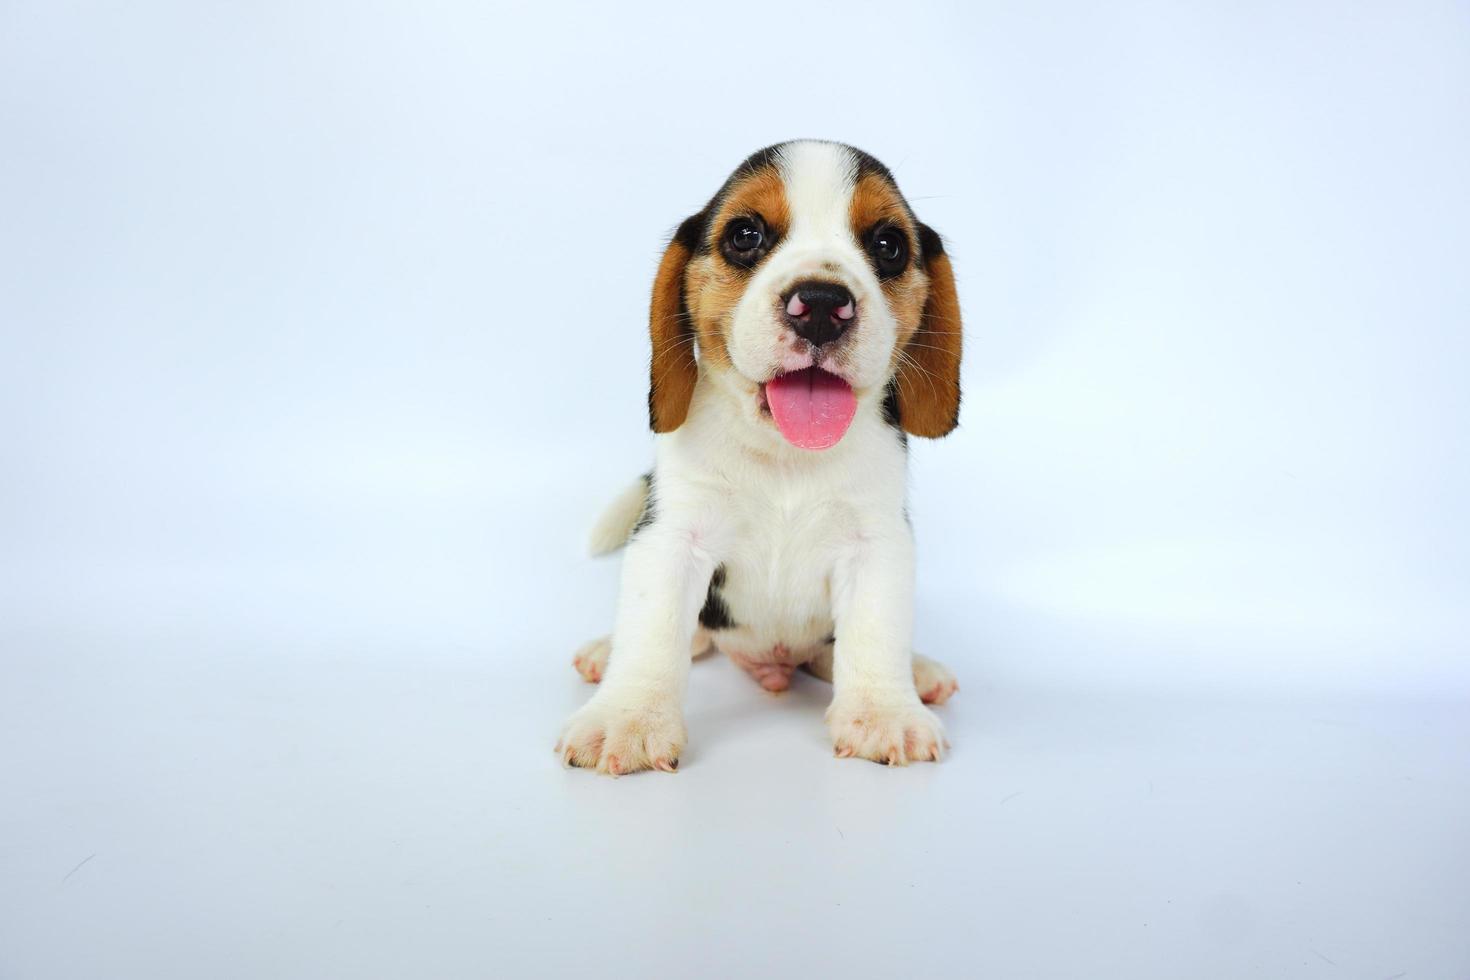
x=591, y=660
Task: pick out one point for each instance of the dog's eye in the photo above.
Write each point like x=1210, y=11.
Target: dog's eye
x=745, y=236
x=890, y=250
x=746, y=241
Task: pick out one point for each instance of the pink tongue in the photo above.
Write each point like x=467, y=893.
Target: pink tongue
x=811, y=407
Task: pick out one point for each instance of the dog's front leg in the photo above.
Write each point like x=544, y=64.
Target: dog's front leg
x=636, y=719
x=876, y=713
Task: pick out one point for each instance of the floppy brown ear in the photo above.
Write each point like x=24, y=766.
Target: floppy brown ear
x=928, y=376
x=672, y=370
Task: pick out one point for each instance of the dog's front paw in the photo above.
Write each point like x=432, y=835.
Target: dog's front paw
x=893, y=733
x=618, y=735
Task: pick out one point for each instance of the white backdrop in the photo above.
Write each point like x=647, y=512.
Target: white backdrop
x=322, y=344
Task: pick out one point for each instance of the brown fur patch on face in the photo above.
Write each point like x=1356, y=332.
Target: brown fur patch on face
x=761, y=193
x=926, y=353
x=711, y=292
x=876, y=201
x=713, y=285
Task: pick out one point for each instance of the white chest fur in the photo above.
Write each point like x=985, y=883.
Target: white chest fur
x=776, y=520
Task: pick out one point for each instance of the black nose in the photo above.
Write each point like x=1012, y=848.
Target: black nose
x=820, y=311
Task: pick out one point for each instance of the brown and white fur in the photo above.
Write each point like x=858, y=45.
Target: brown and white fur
x=780, y=557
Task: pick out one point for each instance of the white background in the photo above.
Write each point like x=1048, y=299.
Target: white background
x=322, y=345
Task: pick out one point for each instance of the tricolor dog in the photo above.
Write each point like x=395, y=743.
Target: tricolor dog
x=804, y=324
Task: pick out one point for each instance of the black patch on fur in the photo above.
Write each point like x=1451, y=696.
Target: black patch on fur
x=716, y=614
x=650, y=505
x=866, y=163
x=891, y=414
x=890, y=406
x=930, y=244
x=691, y=231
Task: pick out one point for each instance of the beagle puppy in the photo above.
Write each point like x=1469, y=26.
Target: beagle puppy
x=804, y=323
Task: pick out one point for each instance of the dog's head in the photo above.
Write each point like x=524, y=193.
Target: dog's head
x=811, y=290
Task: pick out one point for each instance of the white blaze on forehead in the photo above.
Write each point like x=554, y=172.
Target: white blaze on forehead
x=819, y=179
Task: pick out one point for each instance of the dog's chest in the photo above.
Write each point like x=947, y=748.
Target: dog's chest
x=774, y=588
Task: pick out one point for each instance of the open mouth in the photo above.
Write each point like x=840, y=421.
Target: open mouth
x=812, y=408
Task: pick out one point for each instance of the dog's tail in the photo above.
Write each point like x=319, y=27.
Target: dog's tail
x=618, y=521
